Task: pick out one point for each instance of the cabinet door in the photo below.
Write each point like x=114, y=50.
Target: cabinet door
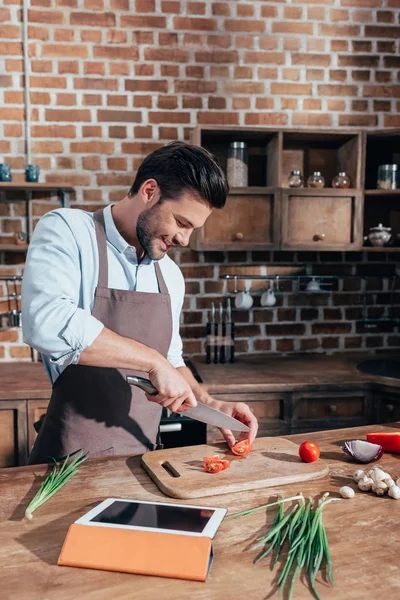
x=330, y=410
x=13, y=443
x=388, y=407
x=323, y=219
x=36, y=412
x=249, y=220
x=271, y=411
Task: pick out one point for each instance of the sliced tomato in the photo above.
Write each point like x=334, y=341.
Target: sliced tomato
x=214, y=467
x=225, y=464
x=212, y=459
x=390, y=441
x=242, y=448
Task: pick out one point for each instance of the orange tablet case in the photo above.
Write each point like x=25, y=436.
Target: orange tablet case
x=133, y=551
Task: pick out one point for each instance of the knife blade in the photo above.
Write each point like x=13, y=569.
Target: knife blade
x=201, y=412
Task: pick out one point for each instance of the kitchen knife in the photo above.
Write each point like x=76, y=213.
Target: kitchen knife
x=201, y=412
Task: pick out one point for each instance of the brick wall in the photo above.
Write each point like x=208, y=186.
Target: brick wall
x=114, y=79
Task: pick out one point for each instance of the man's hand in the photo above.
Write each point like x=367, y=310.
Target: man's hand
x=174, y=391
x=241, y=412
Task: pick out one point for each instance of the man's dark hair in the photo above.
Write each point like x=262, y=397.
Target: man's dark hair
x=179, y=167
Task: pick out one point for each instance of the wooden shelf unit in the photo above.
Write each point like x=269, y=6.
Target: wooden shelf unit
x=281, y=211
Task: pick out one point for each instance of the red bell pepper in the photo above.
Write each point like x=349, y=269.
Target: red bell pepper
x=390, y=442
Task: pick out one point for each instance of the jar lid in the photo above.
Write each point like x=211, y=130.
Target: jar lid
x=238, y=145
x=295, y=173
x=342, y=174
x=380, y=227
x=389, y=167
x=318, y=173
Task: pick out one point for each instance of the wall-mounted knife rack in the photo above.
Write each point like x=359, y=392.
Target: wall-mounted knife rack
x=13, y=299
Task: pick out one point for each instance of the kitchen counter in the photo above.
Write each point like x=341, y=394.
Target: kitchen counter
x=264, y=373
x=363, y=534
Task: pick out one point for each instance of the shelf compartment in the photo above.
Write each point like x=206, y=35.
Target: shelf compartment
x=382, y=148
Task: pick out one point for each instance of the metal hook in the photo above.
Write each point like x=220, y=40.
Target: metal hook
x=277, y=283
x=235, y=284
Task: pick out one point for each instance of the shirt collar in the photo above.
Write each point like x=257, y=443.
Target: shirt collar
x=116, y=239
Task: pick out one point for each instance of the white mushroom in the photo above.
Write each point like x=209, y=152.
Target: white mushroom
x=346, y=492
x=394, y=492
x=365, y=484
x=377, y=474
x=358, y=474
x=398, y=482
x=389, y=481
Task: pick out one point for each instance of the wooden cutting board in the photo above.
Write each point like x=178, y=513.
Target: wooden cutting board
x=274, y=461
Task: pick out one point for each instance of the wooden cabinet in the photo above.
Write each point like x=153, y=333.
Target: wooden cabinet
x=13, y=438
x=272, y=412
x=321, y=219
x=250, y=220
x=388, y=406
x=331, y=409
x=36, y=411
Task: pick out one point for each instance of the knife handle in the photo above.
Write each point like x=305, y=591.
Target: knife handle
x=143, y=384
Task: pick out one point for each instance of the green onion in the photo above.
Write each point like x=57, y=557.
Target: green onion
x=307, y=543
x=54, y=481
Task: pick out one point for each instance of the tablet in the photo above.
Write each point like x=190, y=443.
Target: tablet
x=163, y=517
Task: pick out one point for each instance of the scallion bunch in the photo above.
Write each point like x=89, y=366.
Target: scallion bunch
x=303, y=534
x=54, y=481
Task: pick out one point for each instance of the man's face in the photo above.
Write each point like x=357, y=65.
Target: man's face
x=170, y=224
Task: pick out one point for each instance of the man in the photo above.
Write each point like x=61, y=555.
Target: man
x=101, y=299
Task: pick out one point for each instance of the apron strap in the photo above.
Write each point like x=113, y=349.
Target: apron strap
x=160, y=279
x=102, y=248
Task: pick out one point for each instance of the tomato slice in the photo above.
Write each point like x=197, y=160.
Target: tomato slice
x=214, y=467
x=211, y=459
x=389, y=441
x=242, y=448
x=225, y=464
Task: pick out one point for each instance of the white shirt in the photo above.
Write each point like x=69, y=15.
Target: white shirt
x=60, y=278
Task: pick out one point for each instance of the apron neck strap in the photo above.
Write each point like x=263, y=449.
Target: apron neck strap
x=102, y=248
x=160, y=279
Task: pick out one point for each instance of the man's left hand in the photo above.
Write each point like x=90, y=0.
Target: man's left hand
x=241, y=412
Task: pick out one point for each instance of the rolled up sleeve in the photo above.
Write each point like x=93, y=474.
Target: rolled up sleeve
x=52, y=322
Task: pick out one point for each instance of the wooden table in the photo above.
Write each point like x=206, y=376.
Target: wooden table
x=363, y=533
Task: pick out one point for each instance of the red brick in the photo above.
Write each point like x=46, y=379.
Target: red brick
x=67, y=115
x=337, y=90
x=145, y=6
x=11, y=97
x=339, y=15
x=266, y=119
x=293, y=27
x=315, y=75
x=291, y=329
x=263, y=103
x=244, y=41
x=339, y=45
x=41, y=66
x=292, y=43
x=42, y=98
x=385, y=16
x=94, y=68
x=91, y=163
x=19, y=351
x=267, y=42
x=167, y=102
x=361, y=46
x=54, y=131
x=95, y=83
x=330, y=327
x=316, y=45
x=117, y=100
x=360, y=75
x=359, y=3
x=112, y=179
x=12, y=114
x=338, y=75
x=294, y=89
x=273, y=58
x=142, y=102
x=94, y=4
x=382, y=31
x=349, y=31
x=217, y=56
x=91, y=19
x=128, y=116
x=219, y=41
x=117, y=36
x=359, y=105
x=147, y=70
x=64, y=35
x=391, y=62
x=168, y=39
x=194, y=72
x=392, y=121
x=192, y=102
x=312, y=104
x=317, y=60
x=140, y=148
x=211, y=118
x=90, y=35
x=187, y=23
x=10, y=48
x=244, y=87
x=116, y=53
x=171, y=70
x=36, y=81
x=46, y=16
x=170, y=7
x=143, y=85
x=292, y=12
x=168, y=133
x=66, y=162
x=386, y=47
x=250, y=26
x=68, y=66
x=12, y=130
x=48, y=147
x=143, y=22
x=166, y=117
x=381, y=91
x=92, y=100
x=73, y=179
x=195, y=87
x=358, y=61
x=10, y=31
x=312, y=120
x=117, y=131
x=158, y=54
x=215, y=103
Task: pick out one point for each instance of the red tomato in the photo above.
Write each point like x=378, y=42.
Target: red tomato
x=309, y=451
x=214, y=467
x=242, y=448
x=211, y=459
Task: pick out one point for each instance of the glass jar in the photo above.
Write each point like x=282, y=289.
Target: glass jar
x=341, y=180
x=316, y=180
x=295, y=179
x=388, y=177
x=5, y=172
x=237, y=171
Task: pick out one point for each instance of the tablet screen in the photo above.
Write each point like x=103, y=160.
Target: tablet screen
x=158, y=516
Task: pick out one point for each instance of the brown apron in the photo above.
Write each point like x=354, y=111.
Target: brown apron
x=93, y=408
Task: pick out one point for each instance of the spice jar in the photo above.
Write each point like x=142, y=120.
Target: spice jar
x=388, y=177
x=316, y=180
x=5, y=172
x=380, y=235
x=295, y=179
x=341, y=180
x=237, y=171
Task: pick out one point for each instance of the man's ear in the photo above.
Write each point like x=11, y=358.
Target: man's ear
x=150, y=192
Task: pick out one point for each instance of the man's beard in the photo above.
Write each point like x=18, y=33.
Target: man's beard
x=146, y=228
